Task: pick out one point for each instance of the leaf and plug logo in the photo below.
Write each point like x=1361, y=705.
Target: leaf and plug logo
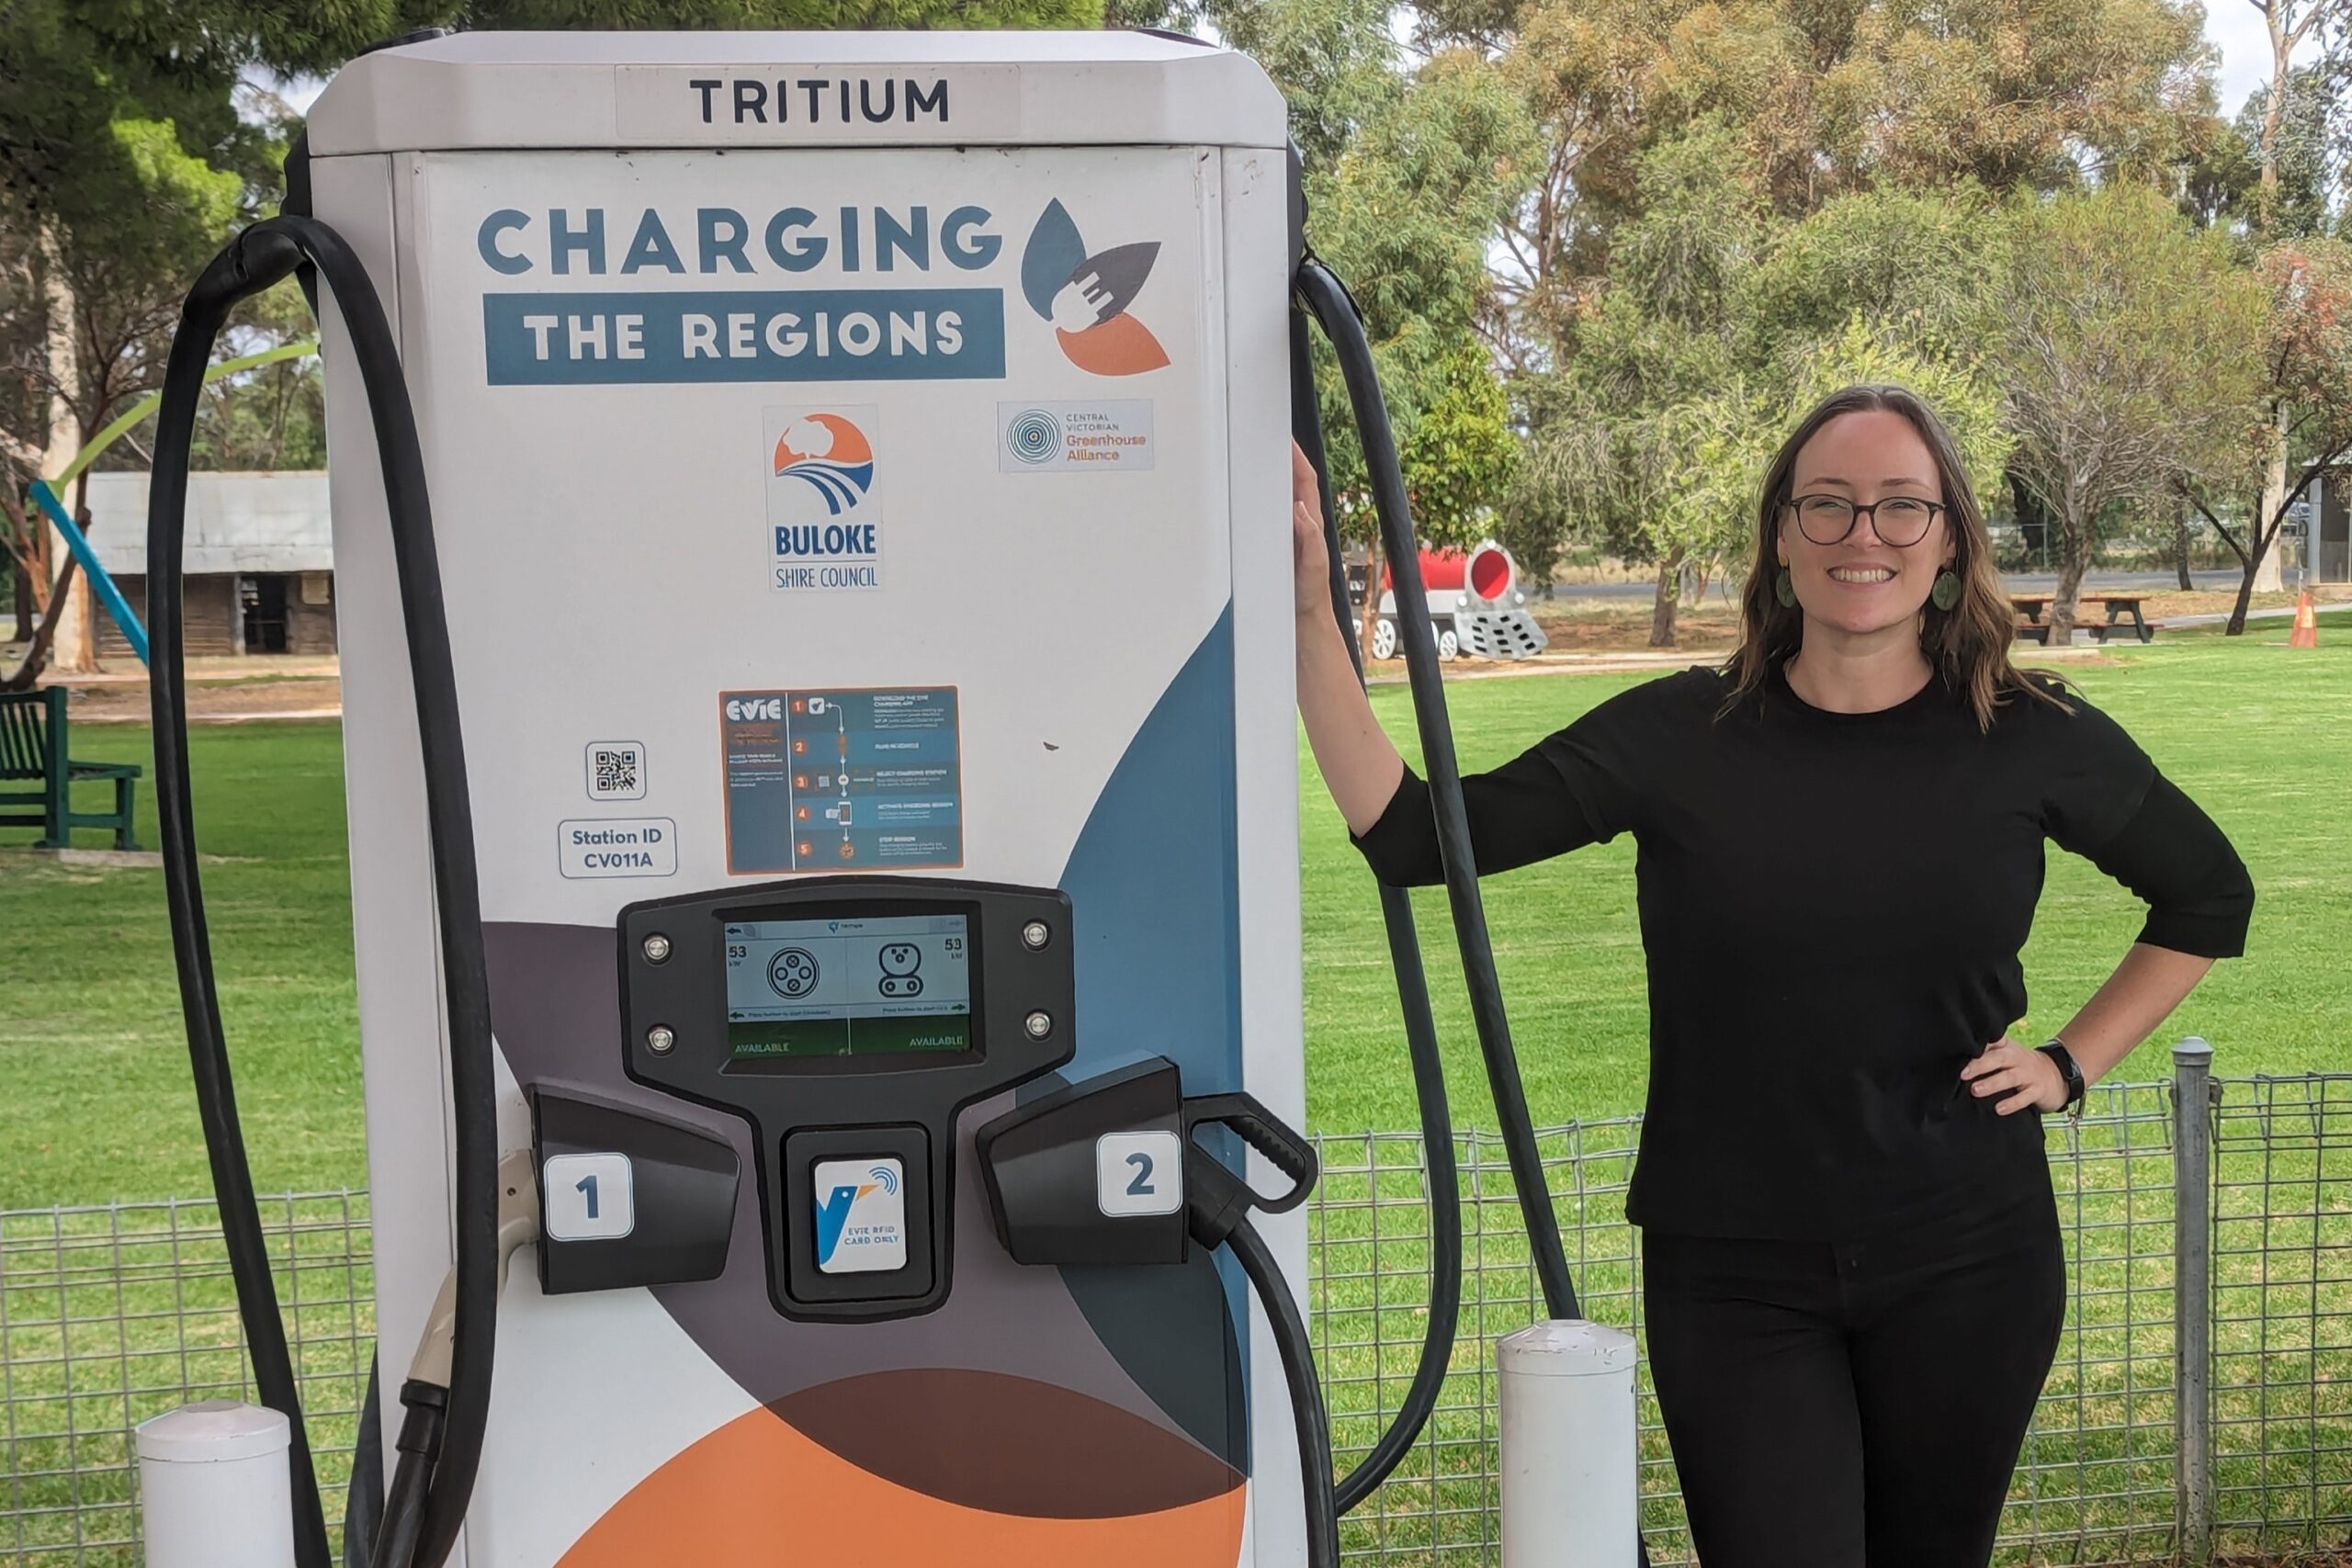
x=1086, y=296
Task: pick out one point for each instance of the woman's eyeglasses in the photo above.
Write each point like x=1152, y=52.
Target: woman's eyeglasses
x=1899, y=520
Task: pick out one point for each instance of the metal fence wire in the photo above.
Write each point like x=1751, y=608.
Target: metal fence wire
x=110, y=1315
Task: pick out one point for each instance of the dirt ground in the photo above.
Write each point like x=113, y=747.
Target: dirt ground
x=1592, y=625
x=231, y=690
x=219, y=690
x=217, y=701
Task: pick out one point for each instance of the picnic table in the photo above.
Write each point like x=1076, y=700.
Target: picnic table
x=2122, y=609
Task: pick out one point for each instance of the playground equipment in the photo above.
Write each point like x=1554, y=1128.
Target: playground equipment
x=875, y=1036
x=1476, y=606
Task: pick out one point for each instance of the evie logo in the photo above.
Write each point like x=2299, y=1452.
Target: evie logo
x=754, y=710
x=861, y=1216
x=824, y=505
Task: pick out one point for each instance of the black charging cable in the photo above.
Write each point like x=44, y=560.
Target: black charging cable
x=425, y=1517
x=1443, y=1177
x=363, y=1495
x=1218, y=1205
x=1335, y=311
x=1313, y=1420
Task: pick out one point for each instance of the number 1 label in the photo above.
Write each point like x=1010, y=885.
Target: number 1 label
x=588, y=1196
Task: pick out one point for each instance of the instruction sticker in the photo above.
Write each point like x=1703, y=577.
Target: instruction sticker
x=841, y=780
x=1105, y=435
x=824, y=498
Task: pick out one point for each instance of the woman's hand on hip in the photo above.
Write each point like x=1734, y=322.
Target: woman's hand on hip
x=2022, y=1077
x=1310, y=560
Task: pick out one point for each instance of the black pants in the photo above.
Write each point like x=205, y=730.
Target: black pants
x=1853, y=1404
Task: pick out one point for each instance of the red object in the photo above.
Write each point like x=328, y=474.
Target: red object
x=2306, y=632
x=1490, y=573
x=1486, y=570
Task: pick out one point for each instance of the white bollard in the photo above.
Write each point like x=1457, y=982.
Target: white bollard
x=214, y=1490
x=1571, y=1490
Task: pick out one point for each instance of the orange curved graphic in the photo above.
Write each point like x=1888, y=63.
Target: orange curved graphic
x=1120, y=346
x=849, y=446
x=756, y=1491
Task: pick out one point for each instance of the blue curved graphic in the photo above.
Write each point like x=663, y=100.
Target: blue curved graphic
x=1157, y=938
x=831, y=1215
x=842, y=484
x=1053, y=252
x=1159, y=934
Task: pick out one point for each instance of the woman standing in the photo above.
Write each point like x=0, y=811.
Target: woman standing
x=1852, y=1273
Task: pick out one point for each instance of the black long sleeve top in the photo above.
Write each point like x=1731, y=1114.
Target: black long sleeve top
x=1833, y=906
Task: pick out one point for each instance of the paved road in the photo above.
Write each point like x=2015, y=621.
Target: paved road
x=2023, y=583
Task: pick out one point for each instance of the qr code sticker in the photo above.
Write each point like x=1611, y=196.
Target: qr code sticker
x=616, y=770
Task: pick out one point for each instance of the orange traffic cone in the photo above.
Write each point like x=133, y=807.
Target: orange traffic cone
x=2306, y=634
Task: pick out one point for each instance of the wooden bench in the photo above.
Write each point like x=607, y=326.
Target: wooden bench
x=2122, y=610
x=33, y=749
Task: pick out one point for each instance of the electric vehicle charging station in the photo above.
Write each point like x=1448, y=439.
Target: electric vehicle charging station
x=889, y=992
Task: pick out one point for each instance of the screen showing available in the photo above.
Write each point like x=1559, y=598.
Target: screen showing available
x=873, y=985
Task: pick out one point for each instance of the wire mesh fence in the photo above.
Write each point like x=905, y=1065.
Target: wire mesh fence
x=2281, y=1447
x=110, y=1315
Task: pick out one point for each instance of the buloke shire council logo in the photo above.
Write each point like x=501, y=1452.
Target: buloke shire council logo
x=824, y=506
x=830, y=455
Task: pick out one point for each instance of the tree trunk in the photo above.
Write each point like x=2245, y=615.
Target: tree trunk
x=23, y=549
x=2274, y=495
x=1369, y=619
x=2073, y=565
x=2274, y=109
x=2257, y=552
x=2036, y=523
x=2180, y=548
x=68, y=621
x=1669, y=594
x=36, y=657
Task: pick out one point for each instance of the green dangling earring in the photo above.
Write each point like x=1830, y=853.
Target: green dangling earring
x=1945, y=594
x=1784, y=589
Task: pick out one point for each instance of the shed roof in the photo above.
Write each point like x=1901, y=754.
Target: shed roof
x=236, y=523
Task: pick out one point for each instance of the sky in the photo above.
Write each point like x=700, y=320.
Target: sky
x=2233, y=26
x=2236, y=28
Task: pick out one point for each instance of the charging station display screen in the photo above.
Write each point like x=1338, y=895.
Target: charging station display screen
x=862, y=985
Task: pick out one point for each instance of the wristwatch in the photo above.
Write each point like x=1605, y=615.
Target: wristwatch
x=2055, y=1049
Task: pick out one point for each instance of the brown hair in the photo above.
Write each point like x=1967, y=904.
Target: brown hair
x=1968, y=645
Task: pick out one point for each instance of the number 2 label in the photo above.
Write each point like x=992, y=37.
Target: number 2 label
x=1138, y=1173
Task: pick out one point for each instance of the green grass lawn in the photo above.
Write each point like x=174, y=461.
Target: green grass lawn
x=96, y=1107
x=96, y=1103
x=2260, y=735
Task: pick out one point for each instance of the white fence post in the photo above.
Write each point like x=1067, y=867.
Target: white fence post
x=1571, y=1483
x=214, y=1488
x=2193, y=1093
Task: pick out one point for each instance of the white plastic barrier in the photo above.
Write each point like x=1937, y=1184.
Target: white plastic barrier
x=213, y=1487
x=1571, y=1490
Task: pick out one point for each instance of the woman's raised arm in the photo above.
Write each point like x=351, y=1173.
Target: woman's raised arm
x=1358, y=763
